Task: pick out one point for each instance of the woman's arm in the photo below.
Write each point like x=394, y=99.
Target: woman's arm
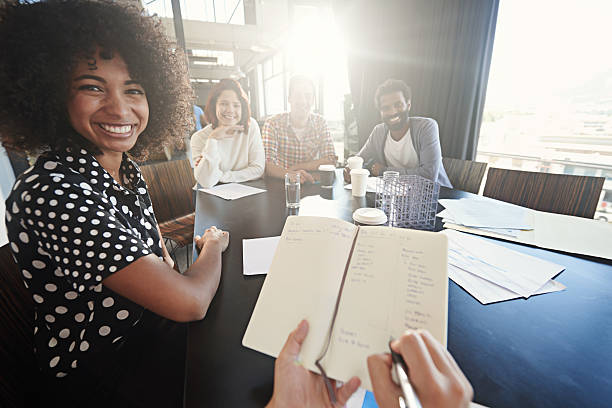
x=151, y=283
x=255, y=156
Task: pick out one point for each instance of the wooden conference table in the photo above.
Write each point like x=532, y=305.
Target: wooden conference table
x=553, y=350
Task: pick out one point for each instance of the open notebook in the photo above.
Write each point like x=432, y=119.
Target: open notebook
x=356, y=286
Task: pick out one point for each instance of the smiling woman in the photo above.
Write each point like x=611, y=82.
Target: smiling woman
x=94, y=84
x=109, y=109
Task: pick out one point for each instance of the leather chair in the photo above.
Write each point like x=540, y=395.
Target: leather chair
x=464, y=175
x=555, y=193
x=171, y=189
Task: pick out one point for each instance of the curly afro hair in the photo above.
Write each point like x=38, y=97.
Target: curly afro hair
x=41, y=43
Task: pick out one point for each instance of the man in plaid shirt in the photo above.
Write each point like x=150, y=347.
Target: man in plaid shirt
x=297, y=141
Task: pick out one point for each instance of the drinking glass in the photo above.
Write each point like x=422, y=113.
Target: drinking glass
x=292, y=190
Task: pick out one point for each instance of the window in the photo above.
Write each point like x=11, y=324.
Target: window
x=549, y=97
x=214, y=11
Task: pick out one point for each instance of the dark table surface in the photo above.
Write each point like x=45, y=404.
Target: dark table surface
x=552, y=350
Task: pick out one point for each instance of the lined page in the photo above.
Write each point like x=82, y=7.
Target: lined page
x=397, y=280
x=303, y=282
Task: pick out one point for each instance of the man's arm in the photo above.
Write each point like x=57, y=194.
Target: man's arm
x=313, y=165
x=276, y=171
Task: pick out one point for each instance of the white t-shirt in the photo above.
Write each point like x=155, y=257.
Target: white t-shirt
x=401, y=154
x=233, y=160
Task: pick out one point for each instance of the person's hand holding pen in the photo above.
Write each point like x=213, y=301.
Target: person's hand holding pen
x=435, y=376
x=297, y=387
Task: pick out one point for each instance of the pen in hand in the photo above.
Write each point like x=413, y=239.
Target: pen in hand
x=400, y=376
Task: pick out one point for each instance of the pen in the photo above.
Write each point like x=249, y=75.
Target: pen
x=408, y=398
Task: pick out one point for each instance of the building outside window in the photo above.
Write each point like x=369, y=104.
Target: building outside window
x=549, y=96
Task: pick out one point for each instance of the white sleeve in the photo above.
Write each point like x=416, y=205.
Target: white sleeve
x=256, y=158
x=207, y=172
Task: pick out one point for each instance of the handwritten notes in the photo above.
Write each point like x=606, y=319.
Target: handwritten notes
x=395, y=279
x=393, y=283
x=303, y=282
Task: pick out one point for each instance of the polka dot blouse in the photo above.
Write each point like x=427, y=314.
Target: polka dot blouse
x=70, y=226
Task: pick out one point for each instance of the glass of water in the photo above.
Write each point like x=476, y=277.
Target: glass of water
x=292, y=190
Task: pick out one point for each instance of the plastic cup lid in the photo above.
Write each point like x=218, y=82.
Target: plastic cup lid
x=370, y=216
x=360, y=171
x=327, y=167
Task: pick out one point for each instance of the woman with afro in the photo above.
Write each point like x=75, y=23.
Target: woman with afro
x=92, y=87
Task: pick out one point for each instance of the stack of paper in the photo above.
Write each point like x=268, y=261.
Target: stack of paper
x=493, y=273
x=487, y=214
x=232, y=191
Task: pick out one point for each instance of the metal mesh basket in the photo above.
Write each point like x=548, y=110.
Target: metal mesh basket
x=408, y=201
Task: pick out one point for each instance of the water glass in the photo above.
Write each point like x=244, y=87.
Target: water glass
x=292, y=190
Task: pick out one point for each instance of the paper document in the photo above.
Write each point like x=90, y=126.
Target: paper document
x=488, y=292
x=486, y=212
x=575, y=235
x=370, y=186
x=257, y=255
x=522, y=274
x=447, y=218
x=232, y=191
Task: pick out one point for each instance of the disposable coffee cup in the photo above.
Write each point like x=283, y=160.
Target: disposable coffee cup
x=369, y=216
x=359, y=181
x=327, y=173
x=354, y=162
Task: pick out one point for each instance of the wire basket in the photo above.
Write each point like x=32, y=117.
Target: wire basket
x=408, y=201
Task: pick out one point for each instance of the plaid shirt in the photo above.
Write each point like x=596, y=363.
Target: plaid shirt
x=284, y=149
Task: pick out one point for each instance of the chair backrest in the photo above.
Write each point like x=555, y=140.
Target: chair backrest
x=19, y=374
x=556, y=193
x=464, y=175
x=170, y=186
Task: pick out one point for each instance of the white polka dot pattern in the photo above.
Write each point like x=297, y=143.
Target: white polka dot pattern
x=70, y=226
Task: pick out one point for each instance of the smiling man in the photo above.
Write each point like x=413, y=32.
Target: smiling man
x=297, y=141
x=409, y=145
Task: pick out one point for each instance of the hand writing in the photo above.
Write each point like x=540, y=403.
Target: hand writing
x=437, y=379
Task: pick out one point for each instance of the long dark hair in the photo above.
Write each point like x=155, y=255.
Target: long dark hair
x=211, y=104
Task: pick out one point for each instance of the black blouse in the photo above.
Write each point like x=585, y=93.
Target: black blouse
x=71, y=225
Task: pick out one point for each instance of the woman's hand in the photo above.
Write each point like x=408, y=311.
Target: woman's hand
x=435, y=376
x=295, y=386
x=213, y=235
x=226, y=132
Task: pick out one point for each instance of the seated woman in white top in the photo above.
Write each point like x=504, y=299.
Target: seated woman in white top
x=229, y=149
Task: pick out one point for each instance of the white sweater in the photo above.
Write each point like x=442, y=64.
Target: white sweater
x=236, y=159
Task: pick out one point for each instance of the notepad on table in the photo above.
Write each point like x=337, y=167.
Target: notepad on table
x=232, y=191
x=257, y=254
x=394, y=279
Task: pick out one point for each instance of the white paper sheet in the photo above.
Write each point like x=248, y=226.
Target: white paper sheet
x=520, y=273
x=487, y=292
x=232, y=191
x=370, y=186
x=575, y=235
x=447, y=218
x=257, y=255
x=485, y=212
